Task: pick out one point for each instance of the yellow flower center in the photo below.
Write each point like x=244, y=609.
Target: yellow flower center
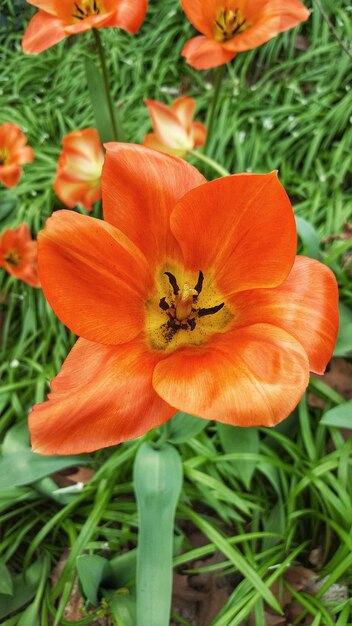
x=4, y=156
x=13, y=258
x=228, y=24
x=178, y=317
x=86, y=8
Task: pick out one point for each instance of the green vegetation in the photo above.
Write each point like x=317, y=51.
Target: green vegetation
x=263, y=499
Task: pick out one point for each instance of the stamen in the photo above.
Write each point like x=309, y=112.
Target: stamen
x=163, y=304
x=173, y=282
x=79, y=9
x=199, y=286
x=211, y=310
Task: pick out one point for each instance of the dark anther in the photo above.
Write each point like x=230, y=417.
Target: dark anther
x=79, y=9
x=95, y=7
x=163, y=304
x=173, y=282
x=211, y=310
x=199, y=286
x=238, y=27
x=191, y=324
x=220, y=26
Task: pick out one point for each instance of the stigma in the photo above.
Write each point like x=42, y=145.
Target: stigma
x=184, y=302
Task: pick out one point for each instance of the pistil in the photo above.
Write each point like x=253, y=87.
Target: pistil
x=228, y=24
x=12, y=258
x=184, y=302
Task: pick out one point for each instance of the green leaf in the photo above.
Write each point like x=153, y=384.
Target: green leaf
x=99, y=102
x=122, y=569
x=183, y=427
x=123, y=609
x=6, y=584
x=92, y=569
x=339, y=417
x=344, y=339
x=30, y=616
x=24, y=589
x=17, y=438
x=309, y=238
x=8, y=203
x=25, y=467
x=235, y=439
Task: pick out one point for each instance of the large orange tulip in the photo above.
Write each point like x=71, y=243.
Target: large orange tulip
x=13, y=154
x=175, y=132
x=187, y=297
x=231, y=26
x=18, y=254
x=79, y=169
x=57, y=19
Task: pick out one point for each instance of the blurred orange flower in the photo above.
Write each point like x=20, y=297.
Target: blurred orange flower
x=18, y=254
x=13, y=153
x=59, y=18
x=175, y=132
x=231, y=26
x=79, y=169
x=188, y=297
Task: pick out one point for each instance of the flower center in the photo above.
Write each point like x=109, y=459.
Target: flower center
x=86, y=8
x=4, y=156
x=13, y=258
x=228, y=24
x=184, y=316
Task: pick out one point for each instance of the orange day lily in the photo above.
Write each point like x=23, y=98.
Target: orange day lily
x=79, y=169
x=231, y=26
x=57, y=19
x=18, y=254
x=13, y=153
x=175, y=132
x=187, y=297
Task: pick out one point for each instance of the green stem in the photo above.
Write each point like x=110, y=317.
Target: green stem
x=115, y=125
x=219, y=74
x=213, y=164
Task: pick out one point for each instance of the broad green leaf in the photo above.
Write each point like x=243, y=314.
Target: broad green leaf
x=339, y=417
x=92, y=569
x=30, y=616
x=122, y=569
x=25, y=467
x=274, y=522
x=309, y=238
x=6, y=584
x=183, y=427
x=344, y=339
x=17, y=438
x=100, y=105
x=24, y=589
x=123, y=609
x=236, y=439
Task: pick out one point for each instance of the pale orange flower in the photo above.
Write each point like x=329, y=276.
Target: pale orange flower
x=232, y=26
x=59, y=18
x=18, y=255
x=175, y=132
x=13, y=154
x=79, y=169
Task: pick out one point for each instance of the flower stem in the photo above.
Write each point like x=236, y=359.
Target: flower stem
x=213, y=164
x=219, y=74
x=115, y=124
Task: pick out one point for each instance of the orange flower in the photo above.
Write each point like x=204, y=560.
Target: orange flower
x=175, y=132
x=59, y=18
x=13, y=153
x=231, y=26
x=79, y=169
x=188, y=297
x=18, y=254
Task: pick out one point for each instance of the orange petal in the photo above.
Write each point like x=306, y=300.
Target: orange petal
x=305, y=305
x=72, y=193
x=10, y=175
x=130, y=15
x=203, y=13
x=27, y=155
x=241, y=228
x=103, y=395
x=251, y=377
x=267, y=19
x=140, y=189
x=49, y=6
x=94, y=278
x=184, y=110
x=44, y=30
x=167, y=126
x=204, y=53
x=93, y=21
x=199, y=132
x=151, y=141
